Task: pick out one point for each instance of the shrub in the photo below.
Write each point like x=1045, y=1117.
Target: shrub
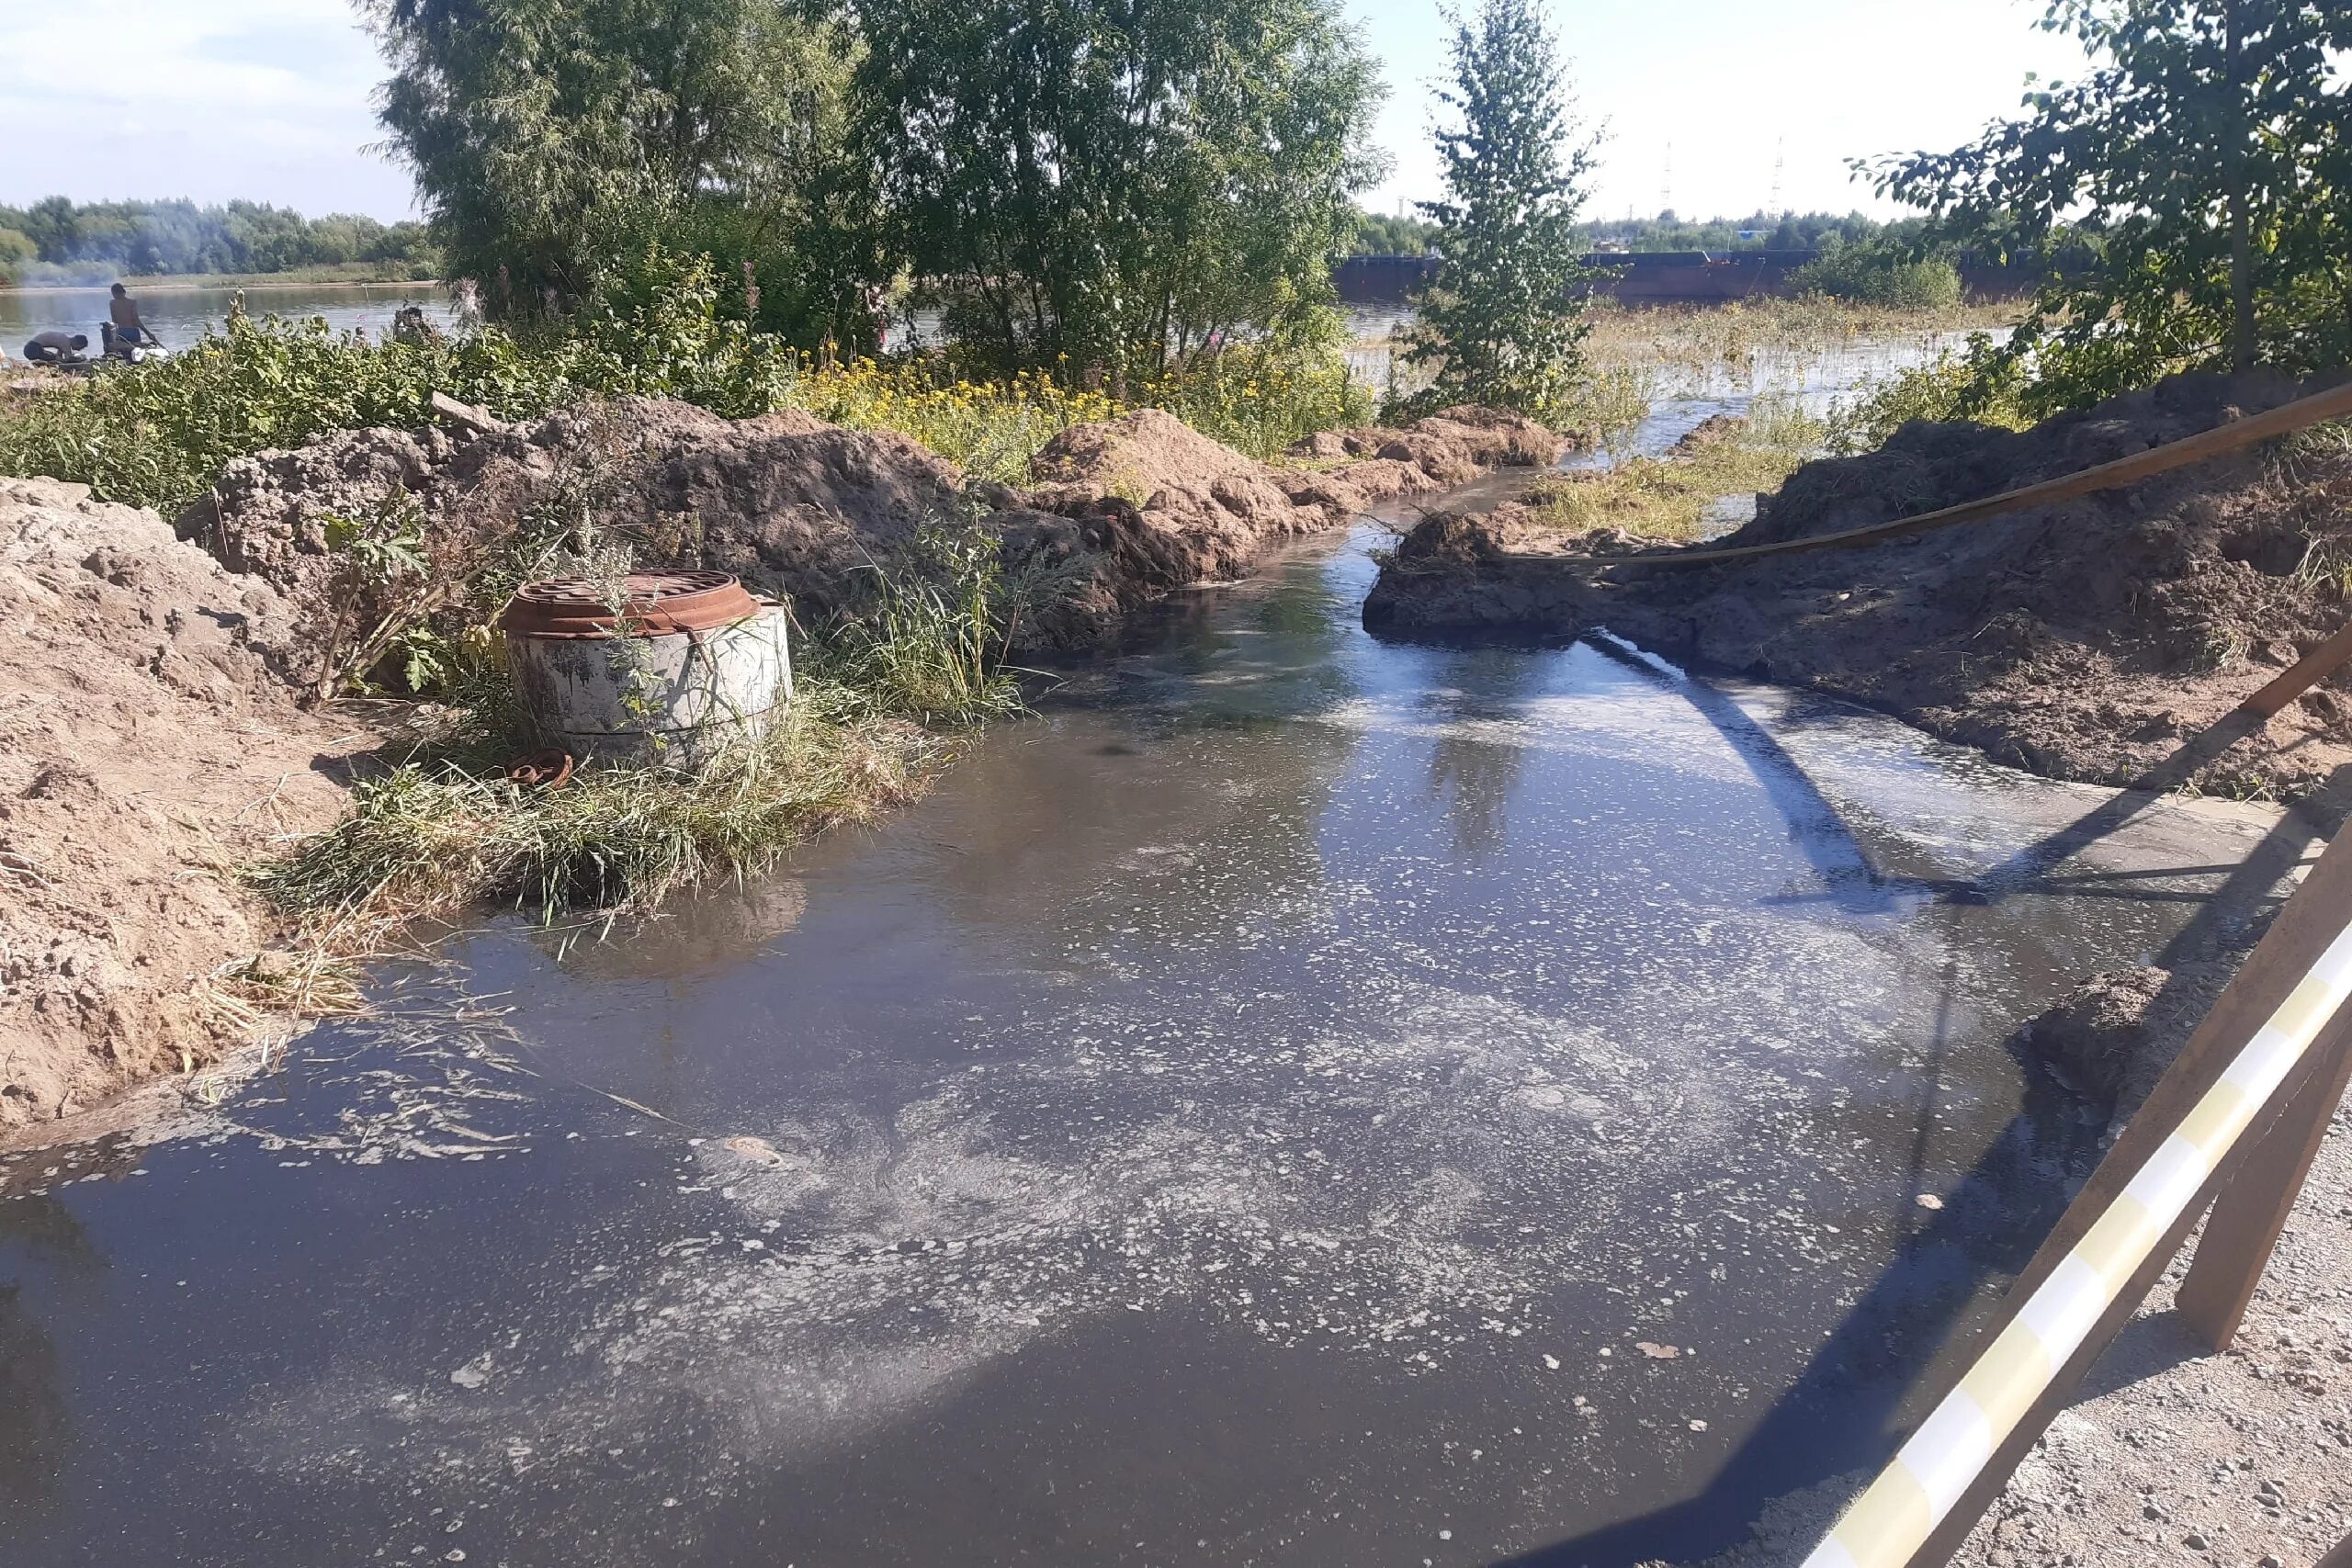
x=1261, y=399
x=447, y=828
x=1978, y=385
x=1874, y=275
x=157, y=435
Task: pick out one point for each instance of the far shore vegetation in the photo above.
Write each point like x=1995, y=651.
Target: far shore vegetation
x=338, y=275
x=59, y=242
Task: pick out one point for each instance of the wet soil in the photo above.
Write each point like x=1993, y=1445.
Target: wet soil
x=151, y=742
x=1261, y=1112
x=2088, y=641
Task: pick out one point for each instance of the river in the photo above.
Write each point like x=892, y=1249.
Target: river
x=179, y=316
x=1299, y=1100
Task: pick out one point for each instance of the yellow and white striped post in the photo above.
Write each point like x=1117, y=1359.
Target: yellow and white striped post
x=1887, y=1525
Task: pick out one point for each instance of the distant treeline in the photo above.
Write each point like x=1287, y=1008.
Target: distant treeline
x=1379, y=235
x=61, y=239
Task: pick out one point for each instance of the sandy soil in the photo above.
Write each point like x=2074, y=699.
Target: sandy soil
x=2086, y=640
x=146, y=747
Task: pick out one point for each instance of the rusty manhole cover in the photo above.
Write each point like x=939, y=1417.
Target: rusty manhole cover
x=646, y=603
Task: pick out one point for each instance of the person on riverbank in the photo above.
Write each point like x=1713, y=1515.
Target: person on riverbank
x=57, y=348
x=123, y=311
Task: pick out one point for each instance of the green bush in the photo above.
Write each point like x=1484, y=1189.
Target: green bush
x=1977, y=385
x=1873, y=274
x=157, y=435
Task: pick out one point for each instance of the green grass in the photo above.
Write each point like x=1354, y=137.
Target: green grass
x=1943, y=390
x=1667, y=498
x=882, y=696
x=446, y=831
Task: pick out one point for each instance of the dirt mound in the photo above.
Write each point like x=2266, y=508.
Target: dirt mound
x=2113, y=1037
x=787, y=501
x=146, y=745
x=1123, y=512
x=2083, y=640
x=1162, y=507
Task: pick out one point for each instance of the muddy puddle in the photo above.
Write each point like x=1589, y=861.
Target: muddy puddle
x=1299, y=1100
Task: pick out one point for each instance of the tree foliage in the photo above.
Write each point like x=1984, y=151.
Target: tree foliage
x=162, y=237
x=1114, y=183
x=2190, y=194
x=1879, y=272
x=1504, y=321
x=1377, y=234
x=552, y=141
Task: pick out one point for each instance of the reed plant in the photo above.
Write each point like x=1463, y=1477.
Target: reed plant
x=883, y=693
x=447, y=830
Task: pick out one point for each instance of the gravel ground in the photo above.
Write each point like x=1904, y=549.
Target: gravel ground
x=2172, y=1456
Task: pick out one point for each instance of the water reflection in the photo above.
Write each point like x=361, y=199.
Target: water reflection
x=1264, y=1102
x=1475, y=761
x=39, y=1237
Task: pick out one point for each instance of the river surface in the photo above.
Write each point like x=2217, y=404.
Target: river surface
x=1299, y=1100
x=180, y=315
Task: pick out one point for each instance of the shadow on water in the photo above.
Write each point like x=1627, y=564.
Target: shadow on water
x=1854, y=1406
x=1815, y=826
x=36, y=1427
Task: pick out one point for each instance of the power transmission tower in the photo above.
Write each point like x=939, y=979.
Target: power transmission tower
x=1779, y=166
x=1666, y=191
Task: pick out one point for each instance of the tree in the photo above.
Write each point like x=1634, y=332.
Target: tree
x=1378, y=234
x=16, y=248
x=555, y=141
x=2187, y=196
x=1503, y=320
x=1105, y=184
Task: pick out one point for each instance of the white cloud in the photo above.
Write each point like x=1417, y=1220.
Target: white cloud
x=268, y=99
x=1730, y=84
x=271, y=98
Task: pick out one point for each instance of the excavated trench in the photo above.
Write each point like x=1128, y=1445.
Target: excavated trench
x=1300, y=1100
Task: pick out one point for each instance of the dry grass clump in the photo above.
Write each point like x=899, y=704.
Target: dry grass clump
x=447, y=831
x=1255, y=400
x=1700, y=338
x=881, y=697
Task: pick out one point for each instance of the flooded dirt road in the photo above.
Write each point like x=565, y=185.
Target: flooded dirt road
x=1300, y=1102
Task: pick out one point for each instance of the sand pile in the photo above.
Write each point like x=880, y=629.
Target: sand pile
x=147, y=746
x=1121, y=512
x=2085, y=640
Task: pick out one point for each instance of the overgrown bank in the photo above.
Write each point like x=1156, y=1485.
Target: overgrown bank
x=213, y=888
x=2088, y=640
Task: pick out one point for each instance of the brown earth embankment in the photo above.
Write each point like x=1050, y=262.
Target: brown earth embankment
x=1117, y=513
x=149, y=744
x=2085, y=640
x=153, y=737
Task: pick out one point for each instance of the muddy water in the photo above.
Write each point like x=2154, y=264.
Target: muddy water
x=1300, y=1100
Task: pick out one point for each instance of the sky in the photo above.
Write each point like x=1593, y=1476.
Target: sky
x=269, y=99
